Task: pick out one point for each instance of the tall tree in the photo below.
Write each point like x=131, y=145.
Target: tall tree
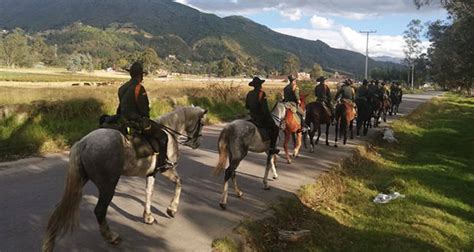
x=413, y=47
x=451, y=54
x=150, y=59
x=225, y=68
x=15, y=49
x=316, y=71
x=291, y=65
x=238, y=67
x=42, y=51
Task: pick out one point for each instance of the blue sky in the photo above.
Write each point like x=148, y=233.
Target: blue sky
x=335, y=22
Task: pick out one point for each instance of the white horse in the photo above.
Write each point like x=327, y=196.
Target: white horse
x=236, y=140
x=104, y=155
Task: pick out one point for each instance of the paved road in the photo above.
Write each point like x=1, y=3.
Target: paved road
x=30, y=188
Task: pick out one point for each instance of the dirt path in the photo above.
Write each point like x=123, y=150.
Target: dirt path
x=30, y=189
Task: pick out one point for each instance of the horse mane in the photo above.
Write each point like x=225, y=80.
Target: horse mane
x=168, y=117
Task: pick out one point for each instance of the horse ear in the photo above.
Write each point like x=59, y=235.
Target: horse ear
x=205, y=112
x=192, y=105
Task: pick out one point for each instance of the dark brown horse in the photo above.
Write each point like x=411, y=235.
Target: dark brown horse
x=364, y=115
x=377, y=106
x=345, y=116
x=316, y=114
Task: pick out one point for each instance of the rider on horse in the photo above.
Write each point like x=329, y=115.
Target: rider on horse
x=396, y=92
x=256, y=103
x=363, y=92
x=291, y=94
x=346, y=93
x=134, y=107
x=323, y=94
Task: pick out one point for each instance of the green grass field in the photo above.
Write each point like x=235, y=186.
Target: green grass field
x=433, y=166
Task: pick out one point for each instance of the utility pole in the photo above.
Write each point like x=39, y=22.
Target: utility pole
x=367, y=52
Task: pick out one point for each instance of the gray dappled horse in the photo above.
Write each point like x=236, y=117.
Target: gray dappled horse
x=104, y=155
x=236, y=140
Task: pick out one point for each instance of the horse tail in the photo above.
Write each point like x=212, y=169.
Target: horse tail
x=343, y=118
x=223, y=148
x=65, y=217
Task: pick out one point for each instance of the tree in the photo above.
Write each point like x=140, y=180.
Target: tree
x=42, y=51
x=412, y=48
x=250, y=69
x=15, y=49
x=150, y=60
x=291, y=65
x=317, y=71
x=225, y=68
x=451, y=54
x=238, y=67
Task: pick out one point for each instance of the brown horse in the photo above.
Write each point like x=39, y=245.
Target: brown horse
x=345, y=116
x=293, y=127
x=316, y=115
x=386, y=105
x=377, y=105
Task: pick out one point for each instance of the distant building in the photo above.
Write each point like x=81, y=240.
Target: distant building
x=304, y=76
x=172, y=56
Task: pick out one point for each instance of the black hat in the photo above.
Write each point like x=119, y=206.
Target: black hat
x=321, y=79
x=365, y=82
x=136, y=69
x=292, y=77
x=256, y=82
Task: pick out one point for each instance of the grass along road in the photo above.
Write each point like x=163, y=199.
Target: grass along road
x=432, y=166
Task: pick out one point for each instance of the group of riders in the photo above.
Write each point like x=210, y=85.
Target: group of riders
x=134, y=105
x=366, y=95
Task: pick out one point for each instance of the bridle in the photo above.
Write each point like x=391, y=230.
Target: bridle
x=196, y=133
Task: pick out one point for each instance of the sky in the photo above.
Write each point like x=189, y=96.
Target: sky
x=335, y=22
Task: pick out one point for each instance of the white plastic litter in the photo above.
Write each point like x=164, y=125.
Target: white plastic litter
x=384, y=198
x=389, y=136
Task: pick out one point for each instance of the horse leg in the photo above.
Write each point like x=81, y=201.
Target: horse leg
x=358, y=126
x=298, y=144
x=236, y=188
x=273, y=166
x=327, y=133
x=173, y=176
x=311, y=141
x=351, y=128
x=267, y=170
x=229, y=172
x=337, y=129
x=147, y=215
x=319, y=133
x=285, y=146
x=106, y=193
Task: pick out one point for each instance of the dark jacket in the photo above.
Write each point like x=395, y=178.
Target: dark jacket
x=256, y=103
x=134, y=104
x=290, y=95
x=346, y=92
x=323, y=93
x=373, y=90
x=362, y=92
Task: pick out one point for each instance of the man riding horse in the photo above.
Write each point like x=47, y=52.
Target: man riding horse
x=346, y=93
x=396, y=92
x=323, y=95
x=256, y=103
x=291, y=94
x=134, y=107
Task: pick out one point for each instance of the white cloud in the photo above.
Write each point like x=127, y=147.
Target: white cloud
x=321, y=22
x=352, y=9
x=293, y=15
x=344, y=37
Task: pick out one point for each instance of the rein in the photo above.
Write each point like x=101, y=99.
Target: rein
x=196, y=133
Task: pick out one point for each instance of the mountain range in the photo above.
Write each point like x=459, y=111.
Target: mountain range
x=184, y=31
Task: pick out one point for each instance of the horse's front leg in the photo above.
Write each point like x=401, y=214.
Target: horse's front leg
x=173, y=176
x=299, y=137
x=273, y=166
x=351, y=128
x=285, y=146
x=267, y=170
x=147, y=215
x=327, y=133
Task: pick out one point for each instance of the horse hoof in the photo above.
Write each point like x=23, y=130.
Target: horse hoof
x=148, y=219
x=114, y=238
x=288, y=161
x=240, y=194
x=327, y=143
x=311, y=150
x=275, y=177
x=223, y=206
x=170, y=212
x=335, y=145
x=266, y=188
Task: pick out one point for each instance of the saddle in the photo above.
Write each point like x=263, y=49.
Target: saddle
x=326, y=109
x=261, y=130
x=143, y=146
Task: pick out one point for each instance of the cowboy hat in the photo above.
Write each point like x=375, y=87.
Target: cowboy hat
x=256, y=82
x=136, y=69
x=320, y=79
